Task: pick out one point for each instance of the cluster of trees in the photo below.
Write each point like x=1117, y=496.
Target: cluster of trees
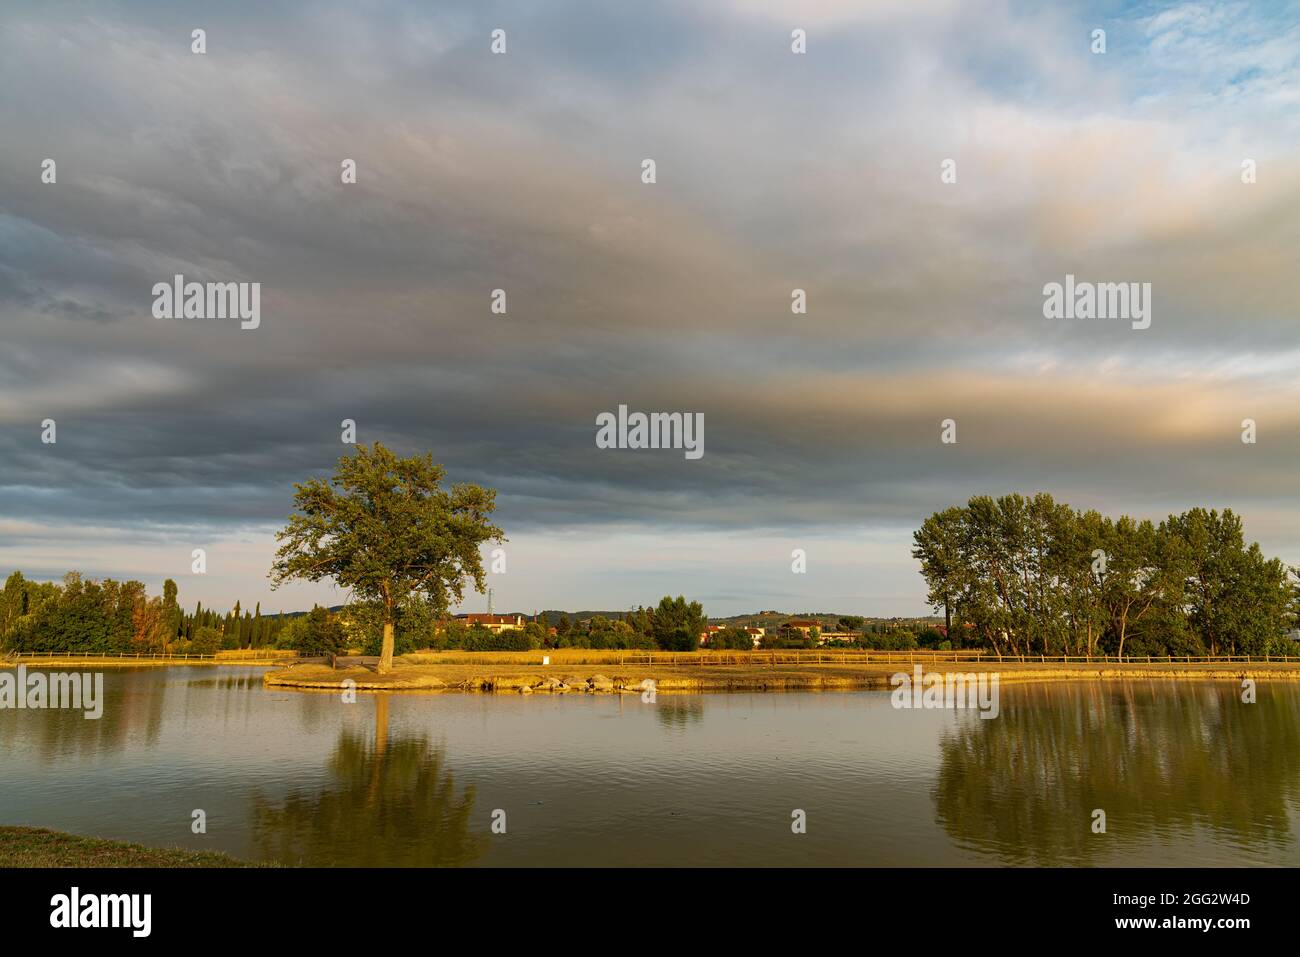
x=673, y=625
x=896, y=639
x=319, y=632
x=417, y=625
x=1030, y=575
x=206, y=630
x=113, y=617
x=850, y=631
x=731, y=639
x=889, y=636
x=786, y=636
x=106, y=617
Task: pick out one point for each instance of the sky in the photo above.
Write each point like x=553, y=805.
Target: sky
x=522, y=171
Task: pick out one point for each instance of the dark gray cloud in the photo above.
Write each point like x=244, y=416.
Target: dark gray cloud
x=522, y=172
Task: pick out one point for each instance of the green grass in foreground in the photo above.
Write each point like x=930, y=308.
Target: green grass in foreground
x=38, y=847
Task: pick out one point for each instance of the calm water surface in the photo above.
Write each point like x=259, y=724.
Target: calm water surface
x=1186, y=773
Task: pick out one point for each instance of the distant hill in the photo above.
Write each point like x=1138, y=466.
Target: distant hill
x=553, y=615
x=829, y=621
x=758, y=619
x=334, y=609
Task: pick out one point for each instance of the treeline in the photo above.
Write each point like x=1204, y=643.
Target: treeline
x=113, y=617
x=1021, y=575
x=673, y=625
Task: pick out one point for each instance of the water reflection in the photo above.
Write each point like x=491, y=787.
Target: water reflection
x=390, y=802
x=1187, y=774
x=236, y=683
x=1198, y=765
x=678, y=713
x=133, y=709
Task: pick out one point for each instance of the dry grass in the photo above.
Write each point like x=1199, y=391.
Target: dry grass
x=704, y=657
x=496, y=671
x=38, y=847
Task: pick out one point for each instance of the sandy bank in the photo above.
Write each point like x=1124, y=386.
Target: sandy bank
x=563, y=678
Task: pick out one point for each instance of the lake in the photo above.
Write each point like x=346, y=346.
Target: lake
x=1186, y=774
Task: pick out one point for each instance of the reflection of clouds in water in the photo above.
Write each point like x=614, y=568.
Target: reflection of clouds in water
x=389, y=801
x=1163, y=761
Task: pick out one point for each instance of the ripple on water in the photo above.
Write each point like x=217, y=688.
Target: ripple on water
x=1186, y=776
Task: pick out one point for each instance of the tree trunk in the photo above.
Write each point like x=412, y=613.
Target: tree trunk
x=386, y=650
x=381, y=744
x=381, y=724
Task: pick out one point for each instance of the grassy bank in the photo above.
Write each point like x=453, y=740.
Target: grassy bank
x=38, y=847
x=495, y=672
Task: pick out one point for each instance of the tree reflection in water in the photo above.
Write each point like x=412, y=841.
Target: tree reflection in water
x=391, y=803
x=678, y=712
x=1166, y=761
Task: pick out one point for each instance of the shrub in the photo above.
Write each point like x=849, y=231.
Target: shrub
x=890, y=641
x=206, y=641
x=931, y=638
x=731, y=639
x=320, y=634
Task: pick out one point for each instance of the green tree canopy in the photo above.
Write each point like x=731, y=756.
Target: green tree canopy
x=384, y=528
x=677, y=624
x=1031, y=575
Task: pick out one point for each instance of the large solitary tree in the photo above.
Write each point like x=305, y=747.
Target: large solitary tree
x=386, y=529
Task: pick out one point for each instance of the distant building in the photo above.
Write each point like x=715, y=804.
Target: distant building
x=755, y=634
x=829, y=636
x=803, y=624
x=493, y=623
x=709, y=630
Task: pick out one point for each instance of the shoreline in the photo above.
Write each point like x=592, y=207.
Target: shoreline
x=586, y=672
x=563, y=678
x=22, y=846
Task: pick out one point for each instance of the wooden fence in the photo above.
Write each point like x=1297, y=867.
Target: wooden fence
x=574, y=656
x=932, y=657
x=234, y=657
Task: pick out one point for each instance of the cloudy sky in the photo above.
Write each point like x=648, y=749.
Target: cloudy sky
x=522, y=171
